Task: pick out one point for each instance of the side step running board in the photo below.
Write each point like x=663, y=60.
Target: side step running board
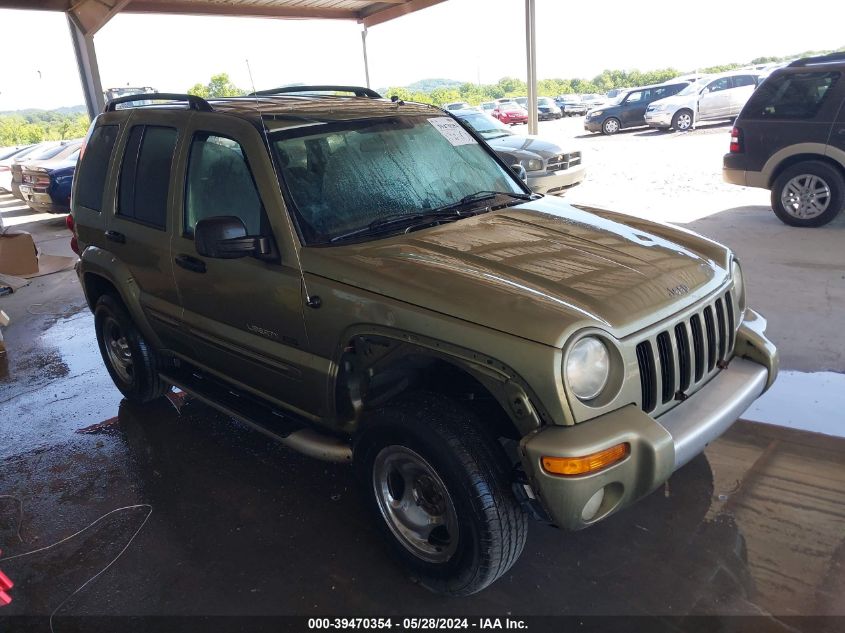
x=260, y=415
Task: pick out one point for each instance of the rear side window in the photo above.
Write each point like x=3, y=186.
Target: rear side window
x=91, y=175
x=791, y=96
x=744, y=80
x=145, y=175
x=220, y=183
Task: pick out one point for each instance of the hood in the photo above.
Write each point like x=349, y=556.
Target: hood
x=527, y=143
x=539, y=270
x=675, y=100
x=49, y=165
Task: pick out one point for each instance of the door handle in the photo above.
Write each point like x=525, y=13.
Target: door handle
x=190, y=263
x=114, y=236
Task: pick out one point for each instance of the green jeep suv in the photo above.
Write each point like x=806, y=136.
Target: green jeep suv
x=364, y=280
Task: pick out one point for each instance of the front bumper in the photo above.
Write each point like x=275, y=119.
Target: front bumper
x=661, y=118
x=557, y=181
x=41, y=201
x=658, y=447
x=593, y=125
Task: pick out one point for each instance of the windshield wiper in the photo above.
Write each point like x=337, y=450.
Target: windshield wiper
x=391, y=222
x=478, y=196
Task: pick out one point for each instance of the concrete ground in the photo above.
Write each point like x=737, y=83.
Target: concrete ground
x=191, y=513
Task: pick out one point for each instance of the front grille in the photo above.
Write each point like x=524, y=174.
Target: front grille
x=679, y=359
x=564, y=161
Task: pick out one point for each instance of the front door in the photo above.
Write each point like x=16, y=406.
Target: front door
x=715, y=99
x=243, y=316
x=635, y=105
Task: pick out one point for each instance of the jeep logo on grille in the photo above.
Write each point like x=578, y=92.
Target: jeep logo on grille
x=679, y=290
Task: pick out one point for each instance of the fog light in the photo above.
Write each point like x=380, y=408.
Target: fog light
x=591, y=509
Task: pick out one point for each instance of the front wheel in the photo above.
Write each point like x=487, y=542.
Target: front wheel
x=439, y=485
x=682, y=121
x=610, y=127
x=808, y=194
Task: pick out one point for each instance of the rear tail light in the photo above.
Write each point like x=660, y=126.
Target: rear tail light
x=71, y=226
x=737, y=141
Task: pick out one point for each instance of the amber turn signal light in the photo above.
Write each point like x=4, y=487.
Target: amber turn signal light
x=570, y=466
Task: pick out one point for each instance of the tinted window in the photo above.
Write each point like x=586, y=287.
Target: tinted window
x=91, y=175
x=145, y=174
x=720, y=84
x=744, y=80
x=790, y=96
x=220, y=183
x=666, y=91
x=47, y=153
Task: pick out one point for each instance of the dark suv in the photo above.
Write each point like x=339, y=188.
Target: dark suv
x=628, y=108
x=790, y=138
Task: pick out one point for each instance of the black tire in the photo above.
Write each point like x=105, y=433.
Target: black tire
x=139, y=381
x=683, y=120
x=471, y=465
x=610, y=126
x=828, y=176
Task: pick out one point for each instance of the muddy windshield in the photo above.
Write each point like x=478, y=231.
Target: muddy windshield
x=346, y=177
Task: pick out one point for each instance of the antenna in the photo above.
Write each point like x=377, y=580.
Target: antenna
x=313, y=302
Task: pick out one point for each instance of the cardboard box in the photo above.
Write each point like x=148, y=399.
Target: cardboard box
x=17, y=254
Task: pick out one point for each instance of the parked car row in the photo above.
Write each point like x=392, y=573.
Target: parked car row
x=41, y=174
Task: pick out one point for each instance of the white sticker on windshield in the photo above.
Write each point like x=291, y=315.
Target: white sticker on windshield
x=452, y=130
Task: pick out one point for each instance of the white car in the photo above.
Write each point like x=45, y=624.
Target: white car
x=711, y=98
x=7, y=157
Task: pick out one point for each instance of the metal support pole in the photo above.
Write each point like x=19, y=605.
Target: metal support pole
x=531, y=56
x=86, y=61
x=366, y=63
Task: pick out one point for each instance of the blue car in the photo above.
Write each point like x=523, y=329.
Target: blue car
x=45, y=184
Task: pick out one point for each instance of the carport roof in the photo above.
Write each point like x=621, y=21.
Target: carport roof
x=365, y=11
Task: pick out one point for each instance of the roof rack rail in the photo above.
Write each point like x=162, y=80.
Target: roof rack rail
x=358, y=91
x=820, y=59
x=194, y=102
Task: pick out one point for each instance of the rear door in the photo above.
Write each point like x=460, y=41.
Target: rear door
x=743, y=88
x=137, y=229
x=715, y=100
x=837, y=135
x=244, y=316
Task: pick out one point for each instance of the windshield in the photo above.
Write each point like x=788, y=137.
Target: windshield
x=488, y=127
x=693, y=88
x=346, y=176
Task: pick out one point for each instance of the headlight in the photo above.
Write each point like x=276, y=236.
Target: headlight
x=532, y=164
x=587, y=368
x=595, y=113
x=739, y=285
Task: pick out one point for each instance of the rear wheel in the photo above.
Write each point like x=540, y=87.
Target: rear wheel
x=440, y=487
x=130, y=360
x=610, y=126
x=808, y=194
x=682, y=121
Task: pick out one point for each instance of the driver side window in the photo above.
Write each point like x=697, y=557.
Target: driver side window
x=220, y=182
x=720, y=84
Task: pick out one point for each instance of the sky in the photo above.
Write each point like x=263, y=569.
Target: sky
x=469, y=40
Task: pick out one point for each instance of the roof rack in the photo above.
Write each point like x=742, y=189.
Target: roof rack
x=194, y=102
x=820, y=59
x=358, y=91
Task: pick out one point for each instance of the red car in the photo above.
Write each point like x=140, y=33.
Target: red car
x=510, y=112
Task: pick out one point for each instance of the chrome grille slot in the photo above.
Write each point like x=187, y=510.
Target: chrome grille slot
x=710, y=330
x=698, y=346
x=684, y=365
x=667, y=366
x=729, y=303
x=675, y=360
x=648, y=377
x=723, y=334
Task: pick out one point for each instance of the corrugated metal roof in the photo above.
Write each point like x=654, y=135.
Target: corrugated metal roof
x=364, y=11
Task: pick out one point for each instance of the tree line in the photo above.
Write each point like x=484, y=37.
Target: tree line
x=36, y=126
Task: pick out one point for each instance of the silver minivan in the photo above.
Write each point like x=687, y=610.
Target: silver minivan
x=711, y=98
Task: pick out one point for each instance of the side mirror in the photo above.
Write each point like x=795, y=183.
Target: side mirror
x=520, y=171
x=224, y=237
